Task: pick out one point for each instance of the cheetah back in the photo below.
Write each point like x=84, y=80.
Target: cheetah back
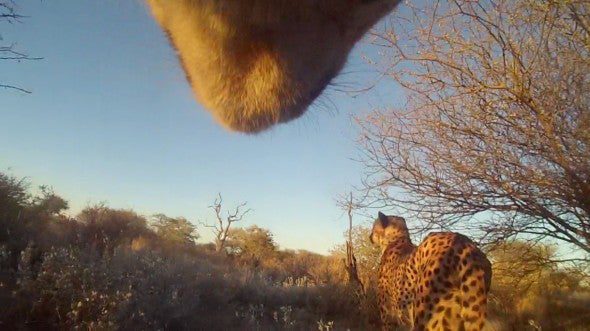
x=441, y=284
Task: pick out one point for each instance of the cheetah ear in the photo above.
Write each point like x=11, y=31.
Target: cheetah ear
x=384, y=219
x=403, y=221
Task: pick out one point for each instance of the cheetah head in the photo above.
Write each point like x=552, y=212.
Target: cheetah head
x=388, y=229
x=257, y=63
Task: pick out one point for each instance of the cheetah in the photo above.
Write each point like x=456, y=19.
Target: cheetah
x=442, y=284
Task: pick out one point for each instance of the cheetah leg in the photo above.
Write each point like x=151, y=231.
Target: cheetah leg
x=439, y=309
x=388, y=323
x=474, y=300
x=385, y=325
x=387, y=320
x=435, y=309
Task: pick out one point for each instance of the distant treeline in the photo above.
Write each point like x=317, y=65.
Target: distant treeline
x=115, y=269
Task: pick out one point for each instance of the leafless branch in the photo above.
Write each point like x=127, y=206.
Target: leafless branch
x=493, y=139
x=8, y=14
x=222, y=224
x=14, y=88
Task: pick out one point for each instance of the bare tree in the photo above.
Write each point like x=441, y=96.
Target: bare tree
x=9, y=14
x=495, y=135
x=222, y=224
x=348, y=204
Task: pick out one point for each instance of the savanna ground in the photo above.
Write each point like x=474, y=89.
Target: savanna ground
x=115, y=269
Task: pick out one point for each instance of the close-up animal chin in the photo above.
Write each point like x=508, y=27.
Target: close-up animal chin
x=257, y=63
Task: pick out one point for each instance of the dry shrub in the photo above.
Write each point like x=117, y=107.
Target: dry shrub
x=530, y=290
x=113, y=272
x=67, y=288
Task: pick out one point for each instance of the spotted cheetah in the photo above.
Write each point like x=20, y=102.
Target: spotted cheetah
x=442, y=284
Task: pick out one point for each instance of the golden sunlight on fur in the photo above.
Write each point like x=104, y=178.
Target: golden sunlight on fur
x=441, y=284
x=256, y=63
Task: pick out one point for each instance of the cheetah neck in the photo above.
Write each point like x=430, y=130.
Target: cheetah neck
x=401, y=247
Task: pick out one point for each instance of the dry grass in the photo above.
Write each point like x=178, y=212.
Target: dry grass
x=115, y=272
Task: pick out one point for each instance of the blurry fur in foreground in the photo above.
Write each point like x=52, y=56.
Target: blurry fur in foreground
x=257, y=63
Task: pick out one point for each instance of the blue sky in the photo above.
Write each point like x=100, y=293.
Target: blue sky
x=111, y=118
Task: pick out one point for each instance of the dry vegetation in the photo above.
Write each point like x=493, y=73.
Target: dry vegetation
x=494, y=136
x=115, y=269
x=493, y=141
x=111, y=269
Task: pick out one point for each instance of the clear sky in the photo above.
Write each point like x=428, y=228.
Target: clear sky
x=111, y=118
